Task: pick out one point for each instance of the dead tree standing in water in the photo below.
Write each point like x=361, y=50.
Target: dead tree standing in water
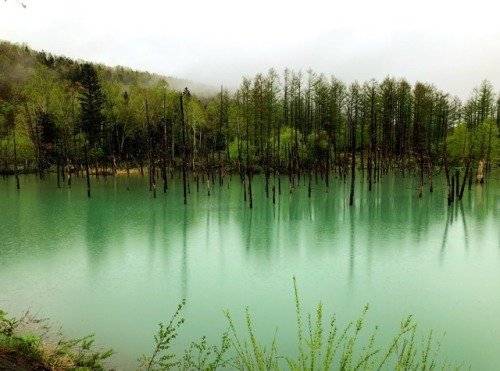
x=184, y=162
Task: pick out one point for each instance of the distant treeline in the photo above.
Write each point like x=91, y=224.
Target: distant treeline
x=57, y=112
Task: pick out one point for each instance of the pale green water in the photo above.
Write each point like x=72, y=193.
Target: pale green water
x=120, y=262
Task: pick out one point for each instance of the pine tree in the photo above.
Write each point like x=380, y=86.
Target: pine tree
x=92, y=120
x=92, y=103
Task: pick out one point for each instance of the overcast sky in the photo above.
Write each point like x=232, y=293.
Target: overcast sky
x=453, y=44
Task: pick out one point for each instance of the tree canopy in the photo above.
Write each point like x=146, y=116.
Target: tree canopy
x=289, y=123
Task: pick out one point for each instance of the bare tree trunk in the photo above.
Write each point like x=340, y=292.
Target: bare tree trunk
x=164, y=148
x=151, y=167
x=249, y=175
x=184, y=180
x=467, y=169
x=429, y=177
x=128, y=172
x=16, y=172
x=87, y=167
x=309, y=186
x=452, y=189
x=421, y=183
x=68, y=172
x=448, y=183
x=58, y=169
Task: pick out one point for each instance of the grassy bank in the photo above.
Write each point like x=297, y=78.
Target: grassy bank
x=28, y=343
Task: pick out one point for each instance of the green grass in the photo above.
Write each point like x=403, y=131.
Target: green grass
x=32, y=351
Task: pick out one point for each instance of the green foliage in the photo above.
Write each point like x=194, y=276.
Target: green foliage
x=458, y=143
x=40, y=92
x=92, y=103
x=485, y=140
x=336, y=348
x=81, y=353
x=287, y=141
x=317, y=146
x=163, y=340
x=201, y=356
x=7, y=325
x=251, y=355
x=235, y=151
x=318, y=352
x=480, y=142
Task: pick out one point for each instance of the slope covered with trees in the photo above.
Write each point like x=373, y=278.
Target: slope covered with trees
x=71, y=116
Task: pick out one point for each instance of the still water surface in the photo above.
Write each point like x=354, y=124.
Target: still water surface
x=118, y=263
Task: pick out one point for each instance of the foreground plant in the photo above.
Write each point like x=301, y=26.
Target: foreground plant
x=163, y=340
x=331, y=348
x=251, y=355
x=30, y=349
x=199, y=356
x=319, y=347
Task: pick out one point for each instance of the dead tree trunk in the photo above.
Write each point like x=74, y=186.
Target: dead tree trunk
x=87, y=167
x=467, y=169
x=16, y=172
x=421, y=183
x=184, y=162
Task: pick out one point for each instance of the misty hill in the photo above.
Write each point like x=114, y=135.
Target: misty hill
x=17, y=59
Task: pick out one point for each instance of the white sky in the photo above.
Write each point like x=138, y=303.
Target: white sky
x=453, y=44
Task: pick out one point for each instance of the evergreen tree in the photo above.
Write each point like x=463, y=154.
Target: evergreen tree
x=92, y=103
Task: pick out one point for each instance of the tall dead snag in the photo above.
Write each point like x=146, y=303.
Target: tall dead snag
x=87, y=167
x=467, y=170
x=58, y=168
x=421, y=183
x=16, y=170
x=370, y=91
x=448, y=184
x=250, y=199
x=452, y=189
x=184, y=162
x=353, y=118
x=164, y=148
x=309, y=189
x=151, y=167
x=353, y=170
x=69, y=170
x=219, y=139
x=249, y=175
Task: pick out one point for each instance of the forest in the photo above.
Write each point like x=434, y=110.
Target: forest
x=76, y=118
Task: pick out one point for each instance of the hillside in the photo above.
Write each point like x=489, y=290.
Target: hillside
x=17, y=59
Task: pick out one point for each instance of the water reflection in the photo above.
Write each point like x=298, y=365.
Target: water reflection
x=132, y=256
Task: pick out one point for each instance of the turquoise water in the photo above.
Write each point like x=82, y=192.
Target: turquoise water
x=118, y=263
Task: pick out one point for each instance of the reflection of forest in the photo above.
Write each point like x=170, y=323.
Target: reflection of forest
x=125, y=249
x=390, y=213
